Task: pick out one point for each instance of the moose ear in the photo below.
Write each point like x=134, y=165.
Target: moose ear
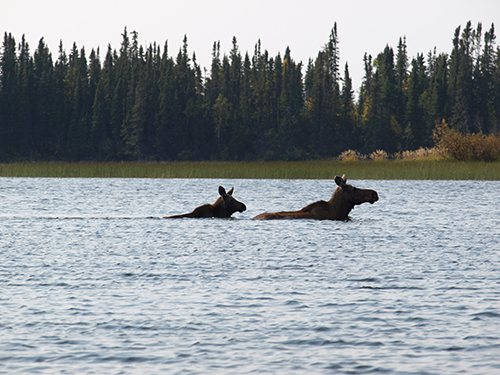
x=230, y=192
x=339, y=180
x=222, y=191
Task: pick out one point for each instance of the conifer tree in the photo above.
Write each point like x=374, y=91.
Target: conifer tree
x=461, y=85
x=348, y=132
x=44, y=101
x=261, y=101
x=322, y=96
x=164, y=119
x=8, y=99
x=23, y=130
x=383, y=129
x=414, y=117
x=246, y=109
x=401, y=76
x=364, y=104
x=100, y=133
x=436, y=99
x=487, y=88
x=290, y=106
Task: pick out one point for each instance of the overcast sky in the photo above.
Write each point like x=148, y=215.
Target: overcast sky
x=304, y=26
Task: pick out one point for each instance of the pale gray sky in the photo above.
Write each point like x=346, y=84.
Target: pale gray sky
x=304, y=26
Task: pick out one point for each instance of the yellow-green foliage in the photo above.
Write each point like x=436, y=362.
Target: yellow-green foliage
x=379, y=155
x=478, y=147
x=351, y=155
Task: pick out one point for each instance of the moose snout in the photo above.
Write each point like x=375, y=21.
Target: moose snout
x=243, y=208
x=374, y=197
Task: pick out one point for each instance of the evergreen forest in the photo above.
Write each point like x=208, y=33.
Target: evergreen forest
x=142, y=103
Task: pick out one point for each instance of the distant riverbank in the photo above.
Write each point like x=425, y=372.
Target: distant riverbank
x=379, y=170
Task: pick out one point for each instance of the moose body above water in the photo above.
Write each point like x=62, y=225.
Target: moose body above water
x=223, y=207
x=338, y=207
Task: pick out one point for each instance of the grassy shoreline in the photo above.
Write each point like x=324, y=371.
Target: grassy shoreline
x=376, y=170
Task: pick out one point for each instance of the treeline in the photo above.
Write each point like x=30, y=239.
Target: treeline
x=141, y=103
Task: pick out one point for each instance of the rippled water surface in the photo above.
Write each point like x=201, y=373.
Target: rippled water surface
x=92, y=280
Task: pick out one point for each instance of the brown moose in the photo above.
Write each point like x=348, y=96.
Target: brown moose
x=338, y=207
x=223, y=207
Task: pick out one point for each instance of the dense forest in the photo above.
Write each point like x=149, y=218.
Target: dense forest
x=141, y=103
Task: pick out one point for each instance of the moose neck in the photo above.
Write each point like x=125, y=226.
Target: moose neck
x=340, y=208
x=220, y=210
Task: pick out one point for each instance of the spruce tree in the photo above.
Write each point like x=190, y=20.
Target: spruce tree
x=45, y=102
x=414, y=117
x=23, y=130
x=401, y=76
x=347, y=121
x=290, y=135
x=9, y=110
x=435, y=101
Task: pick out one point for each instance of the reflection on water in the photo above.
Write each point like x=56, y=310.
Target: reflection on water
x=93, y=281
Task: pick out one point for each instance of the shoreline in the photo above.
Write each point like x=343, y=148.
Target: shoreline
x=410, y=169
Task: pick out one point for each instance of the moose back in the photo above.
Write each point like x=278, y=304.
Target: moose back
x=223, y=207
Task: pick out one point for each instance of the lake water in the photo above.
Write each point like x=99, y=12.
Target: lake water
x=92, y=281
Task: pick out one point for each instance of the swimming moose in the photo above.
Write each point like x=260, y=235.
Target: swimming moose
x=223, y=207
x=338, y=207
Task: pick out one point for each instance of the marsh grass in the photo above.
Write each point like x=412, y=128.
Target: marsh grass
x=408, y=169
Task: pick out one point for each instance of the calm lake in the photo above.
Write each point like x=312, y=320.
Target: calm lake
x=93, y=281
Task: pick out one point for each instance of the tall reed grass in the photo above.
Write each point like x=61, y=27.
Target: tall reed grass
x=416, y=169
